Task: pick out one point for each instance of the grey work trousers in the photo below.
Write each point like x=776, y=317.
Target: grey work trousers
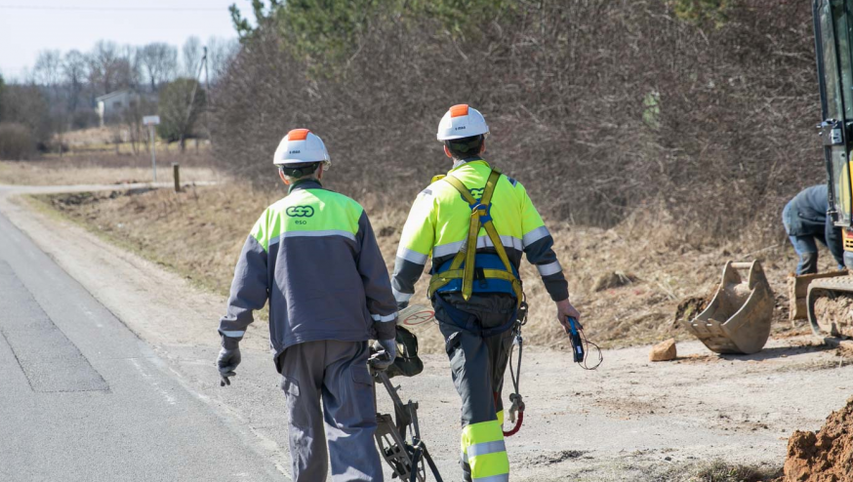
x=477, y=364
x=335, y=373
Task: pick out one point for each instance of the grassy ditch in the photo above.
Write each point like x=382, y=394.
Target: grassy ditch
x=627, y=283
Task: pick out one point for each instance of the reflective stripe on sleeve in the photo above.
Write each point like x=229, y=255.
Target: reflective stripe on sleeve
x=232, y=334
x=535, y=235
x=482, y=242
x=313, y=234
x=412, y=256
x=384, y=318
x=549, y=269
x=401, y=297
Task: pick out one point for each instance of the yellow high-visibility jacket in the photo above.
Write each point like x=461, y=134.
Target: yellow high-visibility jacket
x=438, y=225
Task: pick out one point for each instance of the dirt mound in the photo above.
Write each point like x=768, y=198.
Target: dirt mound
x=825, y=456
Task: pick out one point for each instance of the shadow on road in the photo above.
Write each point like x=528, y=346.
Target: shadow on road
x=778, y=352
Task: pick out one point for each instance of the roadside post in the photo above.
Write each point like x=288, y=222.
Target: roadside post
x=151, y=121
x=176, y=175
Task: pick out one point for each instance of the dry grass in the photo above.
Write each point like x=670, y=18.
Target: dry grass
x=106, y=168
x=199, y=234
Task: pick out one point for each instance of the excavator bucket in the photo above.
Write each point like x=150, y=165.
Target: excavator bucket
x=737, y=321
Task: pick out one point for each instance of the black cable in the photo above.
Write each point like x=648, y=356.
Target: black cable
x=516, y=377
x=587, y=343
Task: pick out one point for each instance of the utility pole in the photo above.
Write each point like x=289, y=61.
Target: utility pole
x=202, y=65
x=151, y=121
x=207, y=98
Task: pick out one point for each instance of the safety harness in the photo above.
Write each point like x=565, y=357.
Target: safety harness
x=463, y=267
x=463, y=264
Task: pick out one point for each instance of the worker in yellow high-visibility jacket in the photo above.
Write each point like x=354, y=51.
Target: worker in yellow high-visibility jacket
x=475, y=287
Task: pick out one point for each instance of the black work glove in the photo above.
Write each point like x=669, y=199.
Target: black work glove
x=229, y=358
x=388, y=349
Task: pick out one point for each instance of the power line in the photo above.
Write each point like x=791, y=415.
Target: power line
x=111, y=9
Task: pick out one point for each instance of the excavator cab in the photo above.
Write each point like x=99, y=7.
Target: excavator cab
x=833, y=26
x=833, y=29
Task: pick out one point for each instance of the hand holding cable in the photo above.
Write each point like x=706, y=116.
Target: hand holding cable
x=565, y=310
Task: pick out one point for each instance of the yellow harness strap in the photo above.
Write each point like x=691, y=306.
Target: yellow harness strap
x=479, y=210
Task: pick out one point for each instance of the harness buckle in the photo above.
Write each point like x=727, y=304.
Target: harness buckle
x=517, y=405
x=480, y=277
x=482, y=210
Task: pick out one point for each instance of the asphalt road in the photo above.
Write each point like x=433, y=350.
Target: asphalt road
x=82, y=398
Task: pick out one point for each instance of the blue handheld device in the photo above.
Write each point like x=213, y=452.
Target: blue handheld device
x=575, y=338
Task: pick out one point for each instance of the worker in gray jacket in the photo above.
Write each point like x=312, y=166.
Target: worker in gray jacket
x=806, y=220
x=314, y=256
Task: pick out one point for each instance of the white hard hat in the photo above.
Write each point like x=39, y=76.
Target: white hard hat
x=300, y=146
x=461, y=121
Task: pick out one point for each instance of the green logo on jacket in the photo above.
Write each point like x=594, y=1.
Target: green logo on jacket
x=300, y=211
x=477, y=193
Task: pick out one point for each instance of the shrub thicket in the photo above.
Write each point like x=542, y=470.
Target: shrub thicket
x=702, y=110
x=16, y=142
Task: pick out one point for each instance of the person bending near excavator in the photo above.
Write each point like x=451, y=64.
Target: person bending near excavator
x=314, y=256
x=806, y=220
x=476, y=223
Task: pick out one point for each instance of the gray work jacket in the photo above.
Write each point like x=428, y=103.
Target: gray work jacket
x=314, y=256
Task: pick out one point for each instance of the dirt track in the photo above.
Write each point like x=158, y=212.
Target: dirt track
x=630, y=420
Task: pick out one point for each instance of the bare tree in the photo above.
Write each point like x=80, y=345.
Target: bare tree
x=159, y=61
x=75, y=70
x=104, y=66
x=128, y=67
x=191, y=54
x=48, y=73
x=220, y=54
x=48, y=68
x=131, y=122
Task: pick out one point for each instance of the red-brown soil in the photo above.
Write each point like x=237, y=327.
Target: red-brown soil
x=825, y=456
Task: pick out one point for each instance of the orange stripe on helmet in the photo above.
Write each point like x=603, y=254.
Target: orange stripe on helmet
x=459, y=110
x=298, y=135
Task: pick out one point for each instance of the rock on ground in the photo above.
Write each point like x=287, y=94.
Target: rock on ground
x=664, y=351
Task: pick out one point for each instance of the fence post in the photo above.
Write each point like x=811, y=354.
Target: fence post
x=176, y=173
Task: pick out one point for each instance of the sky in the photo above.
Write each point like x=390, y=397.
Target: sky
x=30, y=26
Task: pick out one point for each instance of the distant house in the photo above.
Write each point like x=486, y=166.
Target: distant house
x=110, y=107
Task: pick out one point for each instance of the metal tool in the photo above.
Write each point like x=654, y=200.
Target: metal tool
x=399, y=439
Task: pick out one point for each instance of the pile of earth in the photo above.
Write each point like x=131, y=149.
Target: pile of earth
x=825, y=456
